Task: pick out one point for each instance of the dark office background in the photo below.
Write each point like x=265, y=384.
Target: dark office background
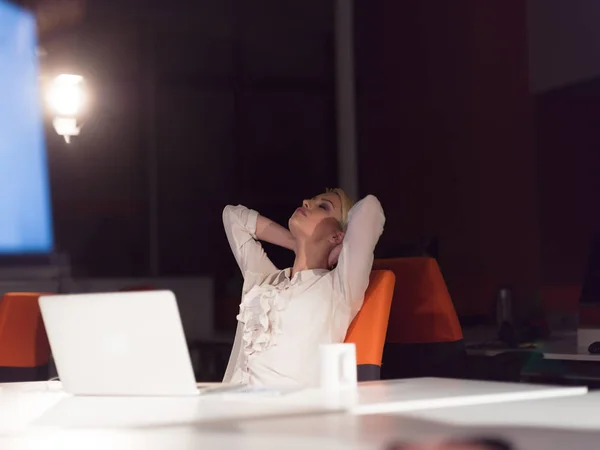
x=476, y=128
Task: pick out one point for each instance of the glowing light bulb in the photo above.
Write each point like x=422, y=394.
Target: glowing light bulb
x=66, y=95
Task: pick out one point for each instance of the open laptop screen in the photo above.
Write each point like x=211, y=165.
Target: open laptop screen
x=25, y=212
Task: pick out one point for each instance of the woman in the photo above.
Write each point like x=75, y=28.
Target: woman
x=286, y=314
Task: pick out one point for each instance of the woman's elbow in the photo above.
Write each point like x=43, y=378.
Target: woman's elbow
x=373, y=204
x=373, y=209
x=227, y=211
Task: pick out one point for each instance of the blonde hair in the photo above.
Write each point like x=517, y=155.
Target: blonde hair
x=346, y=203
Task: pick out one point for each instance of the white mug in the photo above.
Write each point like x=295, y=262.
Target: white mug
x=337, y=366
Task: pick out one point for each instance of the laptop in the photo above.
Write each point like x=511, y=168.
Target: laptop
x=114, y=344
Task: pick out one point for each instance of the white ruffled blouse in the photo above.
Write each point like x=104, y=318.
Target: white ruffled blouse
x=282, y=320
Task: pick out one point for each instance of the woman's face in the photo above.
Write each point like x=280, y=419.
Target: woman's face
x=318, y=218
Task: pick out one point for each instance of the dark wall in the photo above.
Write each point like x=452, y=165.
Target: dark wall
x=445, y=126
x=568, y=139
x=236, y=101
x=242, y=110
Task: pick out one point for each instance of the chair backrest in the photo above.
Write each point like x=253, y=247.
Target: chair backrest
x=422, y=310
x=368, y=329
x=23, y=339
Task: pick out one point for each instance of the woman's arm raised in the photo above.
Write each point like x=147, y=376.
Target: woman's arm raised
x=273, y=233
x=241, y=225
x=365, y=225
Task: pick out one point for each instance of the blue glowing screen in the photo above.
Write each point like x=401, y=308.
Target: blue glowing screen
x=25, y=211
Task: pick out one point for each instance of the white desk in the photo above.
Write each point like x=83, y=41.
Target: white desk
x=378, y=431
x=335, y=431
x=567, y=349
x=573, y=413
x=181, y=438
x=427, y=393
x=44, y=405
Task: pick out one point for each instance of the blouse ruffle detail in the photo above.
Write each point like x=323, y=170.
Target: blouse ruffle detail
x=260, y=314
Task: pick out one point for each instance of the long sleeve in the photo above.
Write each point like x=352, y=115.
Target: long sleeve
x=351, y=276
x=240, y=227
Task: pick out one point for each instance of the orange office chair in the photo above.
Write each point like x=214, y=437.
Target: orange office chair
x=424, y=335
x=368, y=329
x=24, y=347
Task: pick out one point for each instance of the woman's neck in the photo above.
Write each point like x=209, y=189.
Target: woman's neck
x=310, y=257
